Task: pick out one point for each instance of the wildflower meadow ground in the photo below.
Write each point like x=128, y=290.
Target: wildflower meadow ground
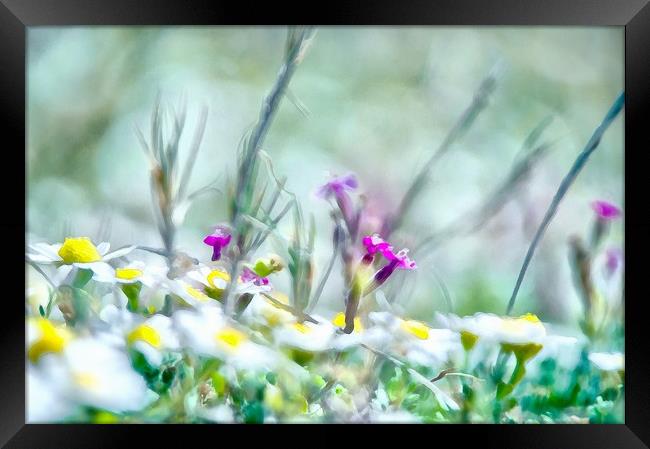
x=236, y=331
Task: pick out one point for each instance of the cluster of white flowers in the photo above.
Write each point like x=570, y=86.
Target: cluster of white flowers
x=82, y=347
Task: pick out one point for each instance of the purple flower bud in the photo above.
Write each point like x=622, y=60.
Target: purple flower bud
x=384, y=273
x=396, y=261
x=605, y=210
x=614, y=257
x=337, y=186
x=218, y=240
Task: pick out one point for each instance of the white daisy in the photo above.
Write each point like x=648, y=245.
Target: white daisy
x=306, y=336
x=77, y=252
x=101, y=376
x=262, y=311
x=509, y=330
x=44, y=338
x=82, y=371
x=208, y=332
x=153, y=337
x=415, y=340
x=45, y=403
x=189, y=292
x=132, y=272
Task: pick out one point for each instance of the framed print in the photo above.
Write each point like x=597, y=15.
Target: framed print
x=416, y=216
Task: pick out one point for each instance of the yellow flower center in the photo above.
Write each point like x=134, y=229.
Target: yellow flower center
x=127, y=274
x=79, y=250
x=522, y=324
x=218, y=274
x=530, y=317
x=468, y=339
x=416, y=328
x=232, y=338
x=196, y=294
x=302, y=328
x=339, y=321
x=144, y=333
x=86, y=380
x=51, y=340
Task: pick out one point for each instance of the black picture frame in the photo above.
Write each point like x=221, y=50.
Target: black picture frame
x=634, y=15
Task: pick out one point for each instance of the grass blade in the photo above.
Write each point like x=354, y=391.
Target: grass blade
x=577, y=166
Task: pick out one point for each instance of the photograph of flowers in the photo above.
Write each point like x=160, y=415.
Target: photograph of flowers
x=325, y=225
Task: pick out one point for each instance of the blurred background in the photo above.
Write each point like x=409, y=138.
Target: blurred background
x=375, y=101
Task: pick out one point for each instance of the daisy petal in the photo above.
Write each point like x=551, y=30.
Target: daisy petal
x=119, y=252
x=101, y=269
x=103, y=248
x=45, y=249
x=39, y=258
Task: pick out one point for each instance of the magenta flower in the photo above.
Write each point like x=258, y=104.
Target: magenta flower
x=605, y=210
x=249, y=275
x=218, y=240
x=399, y=260
x=374, y=244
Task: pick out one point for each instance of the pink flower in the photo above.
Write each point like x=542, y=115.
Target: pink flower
x=400, y=259
x=218, y=240
x=605, y=210
x=374, y=244
x=249, y=275
x=396, y=260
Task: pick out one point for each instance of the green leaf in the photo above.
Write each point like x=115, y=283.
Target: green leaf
x=253, y=413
